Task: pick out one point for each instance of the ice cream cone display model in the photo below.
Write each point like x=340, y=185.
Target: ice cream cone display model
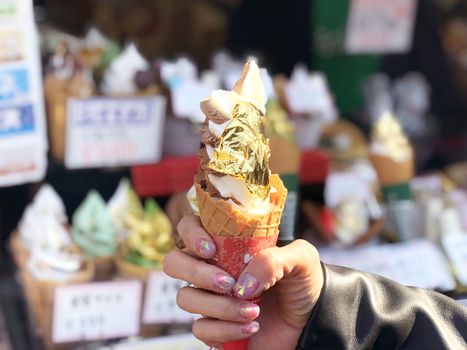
x=393, y=159
x=53, y=262
x=390, y=152
x=119, y=205
x=120, y=77
x=65, y=79
x=94, y=232
x=240, y=202
x=148, y=242
x=47, y=209
x=95, y=45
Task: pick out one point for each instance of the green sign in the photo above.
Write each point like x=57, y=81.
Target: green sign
x=345, y=72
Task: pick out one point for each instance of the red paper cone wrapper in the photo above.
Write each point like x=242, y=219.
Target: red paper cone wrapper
x=233, y=255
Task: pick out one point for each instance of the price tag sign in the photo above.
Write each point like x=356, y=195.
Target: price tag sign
x=380, y=26
x=174, y=342
x=114, y=131
x=418, y=263
x=96, y=311
x=23, y=141
x=455, y=246
x=160, y=305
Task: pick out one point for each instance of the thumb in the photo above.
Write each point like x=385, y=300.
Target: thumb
x=299, y=260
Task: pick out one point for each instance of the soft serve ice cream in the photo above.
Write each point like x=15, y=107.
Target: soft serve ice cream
x=45, y=216
x=119, y=79
x=234, y=159
x=388, y=139
x=43, y=231
x=93, y=229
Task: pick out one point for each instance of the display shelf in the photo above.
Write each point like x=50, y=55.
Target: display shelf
x=176, y=174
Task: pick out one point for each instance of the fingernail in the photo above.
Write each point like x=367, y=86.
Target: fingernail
x=249, y=310
x=250, y=328
x=245, y=286
x=205, y=247
x=223, y=282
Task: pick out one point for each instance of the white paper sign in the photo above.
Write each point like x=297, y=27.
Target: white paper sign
x=309, y=94
x=380, y=26
x=175, y=342
x=455, y=246
x=97, y=311
x=114, y=131
x=417, y=263
x=23, y=142
x=160, y=305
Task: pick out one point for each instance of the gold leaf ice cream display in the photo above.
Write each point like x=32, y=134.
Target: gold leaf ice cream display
x=390, y=151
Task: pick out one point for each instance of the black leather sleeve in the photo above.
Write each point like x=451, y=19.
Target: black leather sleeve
x=363, y=311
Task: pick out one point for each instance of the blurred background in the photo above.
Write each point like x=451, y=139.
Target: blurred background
x=99, y=134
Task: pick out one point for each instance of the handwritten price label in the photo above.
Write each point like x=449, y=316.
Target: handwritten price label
x=114, y=131
x=160, y=305
x=455, y=246
x=417, y=263
x=97, y=311
x=380, y=26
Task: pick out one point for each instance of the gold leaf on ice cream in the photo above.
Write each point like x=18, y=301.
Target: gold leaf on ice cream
x=243, y=151
x=388, y=133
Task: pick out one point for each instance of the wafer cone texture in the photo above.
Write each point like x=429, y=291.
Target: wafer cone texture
x=391, y=172
x=221, y=218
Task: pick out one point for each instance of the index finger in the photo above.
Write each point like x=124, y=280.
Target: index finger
x=196, y=239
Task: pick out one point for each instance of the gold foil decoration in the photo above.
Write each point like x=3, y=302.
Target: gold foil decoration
x=388, y=132
x=150, y=235
x=243, y=151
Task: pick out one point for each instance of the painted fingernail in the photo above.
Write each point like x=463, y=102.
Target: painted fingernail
x=245, y=286
x=250, y=328
x=223, y=282
x=205, y=248
x=249, y=310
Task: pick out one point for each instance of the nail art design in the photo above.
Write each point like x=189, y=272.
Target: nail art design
x=246, y=286
x=205, y=248
x=223, y=282
x=249, y=310
x=250, y=328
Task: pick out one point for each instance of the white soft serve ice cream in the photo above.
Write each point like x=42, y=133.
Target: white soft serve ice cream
x=119, y=79
x=43, y=231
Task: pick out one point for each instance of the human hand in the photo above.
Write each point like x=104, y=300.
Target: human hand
x=291, y=275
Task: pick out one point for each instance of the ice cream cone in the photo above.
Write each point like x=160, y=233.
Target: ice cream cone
x=239, y=202
x=104, y=267
x=221, y=218
x=392, y=172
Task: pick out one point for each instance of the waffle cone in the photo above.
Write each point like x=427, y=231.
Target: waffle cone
x=391, y=172
x=221, y=218
x=104, y=268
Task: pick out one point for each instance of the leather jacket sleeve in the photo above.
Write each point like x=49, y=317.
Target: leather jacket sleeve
x=357, y=310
